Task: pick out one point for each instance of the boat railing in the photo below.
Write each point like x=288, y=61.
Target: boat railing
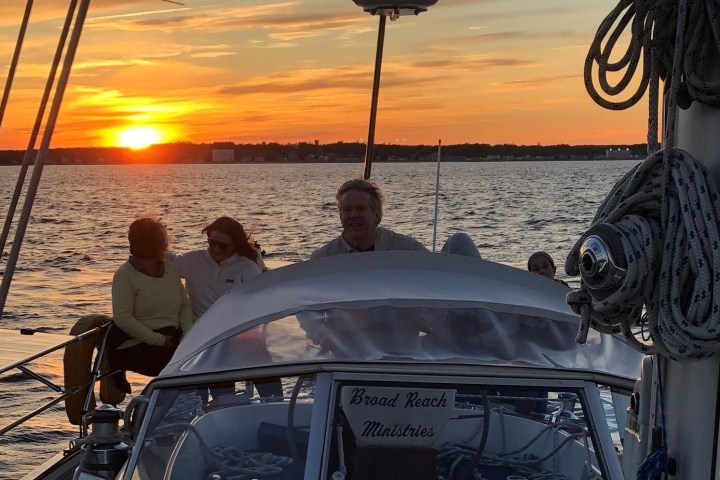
x=23, y=366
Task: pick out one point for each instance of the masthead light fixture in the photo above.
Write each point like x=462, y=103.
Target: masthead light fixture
x=394, y=9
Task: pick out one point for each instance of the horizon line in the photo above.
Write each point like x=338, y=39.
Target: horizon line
x=615, y=145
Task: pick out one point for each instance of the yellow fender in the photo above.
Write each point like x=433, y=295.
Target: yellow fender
x=77, y=368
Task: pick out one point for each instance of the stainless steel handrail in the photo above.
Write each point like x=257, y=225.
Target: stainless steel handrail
x=94, y=376
x=75, y=339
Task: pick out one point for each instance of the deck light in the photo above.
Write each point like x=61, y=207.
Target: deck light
x=384, y=9
x=395, y=9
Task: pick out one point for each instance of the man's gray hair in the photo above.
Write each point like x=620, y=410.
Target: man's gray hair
x=376, y=196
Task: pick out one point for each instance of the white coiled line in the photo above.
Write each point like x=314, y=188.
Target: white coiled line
x=667, y=208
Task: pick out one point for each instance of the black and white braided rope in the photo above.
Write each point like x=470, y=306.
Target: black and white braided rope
x=666, y=209
x=672, y=274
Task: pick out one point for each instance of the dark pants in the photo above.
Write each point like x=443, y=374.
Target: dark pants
x=142, y=358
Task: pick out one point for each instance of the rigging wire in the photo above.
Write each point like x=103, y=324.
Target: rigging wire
x=36, y=127
x=437, y=195
x=42, y=153
x=14, y=62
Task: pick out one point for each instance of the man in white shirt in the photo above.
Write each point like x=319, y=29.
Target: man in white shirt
x=359, y=205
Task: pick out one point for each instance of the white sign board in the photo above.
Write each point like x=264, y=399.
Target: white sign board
x=400, y=417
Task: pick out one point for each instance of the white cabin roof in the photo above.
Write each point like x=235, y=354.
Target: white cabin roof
x=373, y=300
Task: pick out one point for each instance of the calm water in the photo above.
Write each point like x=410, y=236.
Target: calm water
x=77, y=235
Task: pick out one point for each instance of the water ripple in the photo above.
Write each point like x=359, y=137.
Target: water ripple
x=78, y=234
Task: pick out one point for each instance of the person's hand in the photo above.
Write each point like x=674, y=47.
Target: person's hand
x=170, y=342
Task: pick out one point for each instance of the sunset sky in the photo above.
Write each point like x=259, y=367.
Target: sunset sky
x=248, y=71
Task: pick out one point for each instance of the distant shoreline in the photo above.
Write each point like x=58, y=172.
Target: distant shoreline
x=338, y=162
x=273, y=153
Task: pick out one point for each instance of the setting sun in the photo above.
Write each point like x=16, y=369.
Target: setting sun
x=138, y=137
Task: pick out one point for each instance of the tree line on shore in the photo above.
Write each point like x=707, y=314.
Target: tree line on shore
x=225, y=152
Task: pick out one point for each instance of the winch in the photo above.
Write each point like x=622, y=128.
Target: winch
x=603, y=266
x=104, y=452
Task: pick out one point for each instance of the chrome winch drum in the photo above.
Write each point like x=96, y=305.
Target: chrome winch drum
x=105, y=452
x=603, y=266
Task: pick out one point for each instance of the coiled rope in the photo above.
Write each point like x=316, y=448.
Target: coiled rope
x=674, y=274
x=234, y=464
x=231, y=463
x=653, y=27
x=666, y=209
x=187, y=406
x=454, y=458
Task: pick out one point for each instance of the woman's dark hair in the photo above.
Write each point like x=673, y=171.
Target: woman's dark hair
x=545, y=255
x=234, y=230
x=148, y=238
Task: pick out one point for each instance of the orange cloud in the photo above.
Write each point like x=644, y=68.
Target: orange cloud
x=466, y=71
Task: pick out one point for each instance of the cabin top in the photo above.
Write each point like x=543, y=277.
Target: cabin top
x=401, y=307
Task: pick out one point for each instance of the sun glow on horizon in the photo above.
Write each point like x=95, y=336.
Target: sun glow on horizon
x=250, y=74
x=138, y=138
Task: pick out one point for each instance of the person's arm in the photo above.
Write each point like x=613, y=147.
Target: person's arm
x=250, y=271
x=260, y=262
x=409, y=243
x=390, y=240
x=180, y=261
x=326, y=250
x=420, y=247
x=313, y=323
x=123, y=306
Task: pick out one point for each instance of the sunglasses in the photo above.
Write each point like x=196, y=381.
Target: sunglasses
x=223, y=247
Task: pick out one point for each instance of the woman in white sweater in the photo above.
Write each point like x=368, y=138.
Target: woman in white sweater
x=151, y=310
x=229, y=261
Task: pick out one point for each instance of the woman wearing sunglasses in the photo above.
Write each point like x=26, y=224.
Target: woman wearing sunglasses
x=228, y=261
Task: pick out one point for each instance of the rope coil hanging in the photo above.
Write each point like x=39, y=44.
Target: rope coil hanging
x=664, y=212
x=674, y=274
x=653, y=25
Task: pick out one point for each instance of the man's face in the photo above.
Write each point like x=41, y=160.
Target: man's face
x=358, y=217
x=220, y=246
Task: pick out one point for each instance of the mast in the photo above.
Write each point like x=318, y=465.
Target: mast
x=374, y=100
x=651, y=258
x=392, y=9
x=691, y=402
